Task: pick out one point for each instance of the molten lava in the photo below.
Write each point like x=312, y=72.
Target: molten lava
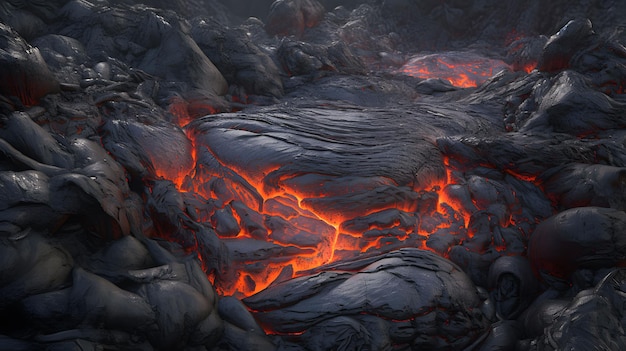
x=279, y=226
x=461, y=69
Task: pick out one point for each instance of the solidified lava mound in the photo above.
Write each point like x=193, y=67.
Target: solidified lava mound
x=325, y=175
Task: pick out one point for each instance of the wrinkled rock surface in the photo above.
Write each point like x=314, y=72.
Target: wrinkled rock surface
x=155, y=155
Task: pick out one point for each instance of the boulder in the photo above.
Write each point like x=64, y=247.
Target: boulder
x=291, y=17
x=23, y=71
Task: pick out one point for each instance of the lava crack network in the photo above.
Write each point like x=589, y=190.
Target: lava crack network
x=289, y=190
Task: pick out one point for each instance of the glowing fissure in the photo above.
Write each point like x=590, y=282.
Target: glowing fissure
x=461, y=69
x=318, y=238
x=297, y=231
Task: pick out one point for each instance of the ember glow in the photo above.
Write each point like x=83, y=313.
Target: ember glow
x=312, y=175
x=461, y=69
x=302, y=231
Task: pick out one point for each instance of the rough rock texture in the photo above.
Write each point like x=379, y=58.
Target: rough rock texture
x=582, y=237
x=592, y=320
x=157, y=158
x=152, y=41
x=24, y=74
x=291, y=17
x=418, y=299
x=238, y=58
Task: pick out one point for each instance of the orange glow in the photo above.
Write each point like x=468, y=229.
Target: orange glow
x=529, y=67
x=185, y=111
x=301, y=227
x=285, y=221
x=531, y=178
x=312, y=235
x=463, y=70
x=178, y=108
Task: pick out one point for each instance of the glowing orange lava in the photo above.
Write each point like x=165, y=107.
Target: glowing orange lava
x=461, y=69
x=529, y=67
x=274, y=228
x=316, y=237
x=306, y=234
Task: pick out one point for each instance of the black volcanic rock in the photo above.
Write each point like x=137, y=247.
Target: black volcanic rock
x=65, y=55
x=157, y=42
x=406, y=290
x=581, y=185
x=291, y=17
x=572, y=106
x=591, y=320
x=561, y=47
x=18, y=129
x=582, y=237
x=512, y=284
x=238, y=58
x=122, y=229
x=23, y=72
x=299, y=58
x=33, y=264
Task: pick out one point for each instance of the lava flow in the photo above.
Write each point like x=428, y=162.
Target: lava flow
x=273, y=229
x=277, y=223
x=461, y=69
x=300, y=236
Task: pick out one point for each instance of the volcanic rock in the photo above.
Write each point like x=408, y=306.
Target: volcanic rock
x=23, y=73
x=27, y=204
x=513, y=285
x=97, y=301
x=384, y=287
x=571, y=106
x=592, y=320
x=163, y=149
x=560, y=48
x=581, y=185
x=238, y=58
x=32, y=265
x=64, y=54
x=136, y=212
x=583, y=237
x=291, y=17
x=155, y=42
x=299, y=58
x=541, y=314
